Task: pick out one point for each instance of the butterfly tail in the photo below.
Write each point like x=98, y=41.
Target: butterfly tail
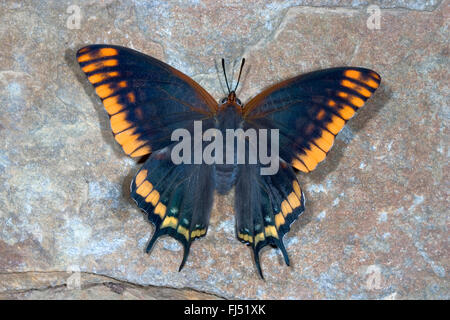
x=266, y=206
x=176, y=198
x=186, y=245
x=185, y=255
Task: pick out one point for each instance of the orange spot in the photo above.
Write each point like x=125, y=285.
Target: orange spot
x=83, y=50
x=361, y=90
x=104, y=90
x=140, y=177
x=353, y=74
x=315, y=152
x=331, y=103
x=293, y=200
x=104, y=52
x=375, y=75
x=198, y=233
x=84, y=57
x=144, y=189
x=356, y=101
x=131, y=97
x=153, y=197
x=321, y=114
x=279, y=220
x=335, y=125
x=310, y=162
x=285, y=208
x=130, y=146
x=297, y=189
x=184, y=231
x=119, y=122
x=346, y=112
x=160, y=210
x=371, y=83
x=271, y=231
x=323, y=144
x=126, y=136
x=141, y=152
x=112, y=106
x=343, y=95
x=99, y=65
x=169, y=222
x=99, y=77
x=297, y=164
x=259, y=237
x=327, y=136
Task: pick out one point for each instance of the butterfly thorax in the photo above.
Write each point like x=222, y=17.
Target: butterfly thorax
x=231, y=102
x=227, y=118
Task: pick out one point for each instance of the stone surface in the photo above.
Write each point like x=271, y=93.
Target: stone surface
x=73, y=285
x=376, y=223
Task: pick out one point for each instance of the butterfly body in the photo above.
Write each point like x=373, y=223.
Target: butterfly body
x=229, y=117
x=147, y=100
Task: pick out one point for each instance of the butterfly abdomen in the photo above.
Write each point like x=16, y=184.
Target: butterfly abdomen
x=226, y=173
x=225, y=177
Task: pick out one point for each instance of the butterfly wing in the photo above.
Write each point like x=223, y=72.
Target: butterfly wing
x=176, y=198
x=145, y=98
x=310, y=110
x=266, y=206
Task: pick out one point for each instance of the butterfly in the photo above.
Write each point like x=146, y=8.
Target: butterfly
x=147, y=100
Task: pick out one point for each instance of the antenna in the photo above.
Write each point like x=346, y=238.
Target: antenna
x=240, y=71
x=225, y=74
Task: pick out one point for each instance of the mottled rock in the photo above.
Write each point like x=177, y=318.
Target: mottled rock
x=376, y=221
x=73, y=285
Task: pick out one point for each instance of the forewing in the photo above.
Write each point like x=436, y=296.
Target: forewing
x=145, y=98
x=310, y=110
